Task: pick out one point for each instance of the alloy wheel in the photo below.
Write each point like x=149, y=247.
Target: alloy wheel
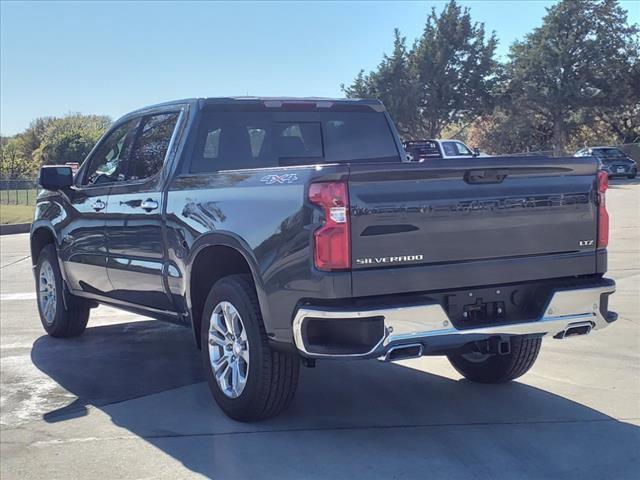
x=228, y=349
x=47, y=295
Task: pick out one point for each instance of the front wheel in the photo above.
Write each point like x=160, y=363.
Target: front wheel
x=58, y=319
x=247, y=378
x=486, y=368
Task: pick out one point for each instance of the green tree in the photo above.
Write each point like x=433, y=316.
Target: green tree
x=70, y=138
x=448, y=76
x=580, y=60
x=505, y=132
x=393, y=83
x=456, y=70
x=13, y=163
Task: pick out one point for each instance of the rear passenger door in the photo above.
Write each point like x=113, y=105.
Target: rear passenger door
x=136, y=259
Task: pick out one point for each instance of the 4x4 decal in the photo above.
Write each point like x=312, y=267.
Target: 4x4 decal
x=275, y=179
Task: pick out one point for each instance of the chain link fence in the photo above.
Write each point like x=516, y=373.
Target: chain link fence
x=21, y=191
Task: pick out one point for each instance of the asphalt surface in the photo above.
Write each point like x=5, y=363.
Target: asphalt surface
x=127, y=400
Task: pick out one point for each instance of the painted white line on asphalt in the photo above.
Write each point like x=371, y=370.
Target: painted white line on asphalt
x=17, y=296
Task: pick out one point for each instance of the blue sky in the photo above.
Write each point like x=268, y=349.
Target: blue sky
x=110, y=58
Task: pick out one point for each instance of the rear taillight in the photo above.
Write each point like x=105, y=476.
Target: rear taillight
x=332, y=239
x=603, y=216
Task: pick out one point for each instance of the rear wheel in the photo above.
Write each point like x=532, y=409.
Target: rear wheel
x=486, y=368
x=57, y=319
x=247, y=378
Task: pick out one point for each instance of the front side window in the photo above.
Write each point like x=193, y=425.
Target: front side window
x=462, y=149
x=151, y=145
x=109, y=161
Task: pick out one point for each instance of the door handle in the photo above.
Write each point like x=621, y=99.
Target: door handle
x=149, y=205
x=98, y=205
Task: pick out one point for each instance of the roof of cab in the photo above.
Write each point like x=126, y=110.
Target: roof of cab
x=283, y=102
x=269, y=103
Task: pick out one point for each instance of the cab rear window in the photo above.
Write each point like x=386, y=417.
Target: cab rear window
x=240, y=140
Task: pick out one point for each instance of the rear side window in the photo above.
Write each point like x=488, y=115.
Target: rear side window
x=240, y=140
x=151, y=144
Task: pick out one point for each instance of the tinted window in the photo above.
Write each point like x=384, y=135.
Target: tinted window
x=359, y=136
x=109, y=161
x=608, y=153
x=297, y=140
x=237, y=140
x=151, y=144
x=450, y=149
x=422, y=150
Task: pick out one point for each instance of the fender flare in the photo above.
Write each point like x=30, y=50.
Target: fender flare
x=231, y=240
x=43, y=225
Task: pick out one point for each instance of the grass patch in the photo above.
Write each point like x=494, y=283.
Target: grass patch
x=10, y=214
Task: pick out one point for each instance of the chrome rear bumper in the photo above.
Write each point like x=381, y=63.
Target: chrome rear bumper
x=567, y=310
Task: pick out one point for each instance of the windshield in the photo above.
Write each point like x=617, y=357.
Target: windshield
x=608, y=153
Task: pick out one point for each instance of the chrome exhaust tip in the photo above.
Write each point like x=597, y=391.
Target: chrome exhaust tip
x=403, y=352
x=574, y=329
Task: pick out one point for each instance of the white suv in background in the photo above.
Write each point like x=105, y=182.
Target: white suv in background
x=421, y=150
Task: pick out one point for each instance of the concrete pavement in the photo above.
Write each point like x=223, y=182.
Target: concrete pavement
x=126, y=400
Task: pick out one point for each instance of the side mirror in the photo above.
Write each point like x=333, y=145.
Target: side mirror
x=476, y=152
x=55, y=177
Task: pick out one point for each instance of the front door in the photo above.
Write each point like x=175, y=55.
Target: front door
x=137, y=257
x=83, y=248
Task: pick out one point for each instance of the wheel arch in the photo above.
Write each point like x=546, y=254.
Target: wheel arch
x=41, y=235
x=213, y=257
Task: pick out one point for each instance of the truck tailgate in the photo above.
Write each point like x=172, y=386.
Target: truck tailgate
x=446, y=212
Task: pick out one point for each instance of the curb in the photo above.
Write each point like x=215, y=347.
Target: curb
x=10, y=229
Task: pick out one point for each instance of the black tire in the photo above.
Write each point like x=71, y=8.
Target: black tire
x=500, y=368
x=271, y=377
x=67, y=321
x=632, y=176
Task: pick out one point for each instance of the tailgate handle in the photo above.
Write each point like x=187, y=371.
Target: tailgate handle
x=485, y=176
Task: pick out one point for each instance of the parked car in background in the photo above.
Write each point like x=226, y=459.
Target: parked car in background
x=612, y=160
x=421, y=150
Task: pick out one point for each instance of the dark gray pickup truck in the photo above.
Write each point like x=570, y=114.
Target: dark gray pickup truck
x=283, y=231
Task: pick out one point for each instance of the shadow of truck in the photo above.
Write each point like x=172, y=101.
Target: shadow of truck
x=349, y=419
